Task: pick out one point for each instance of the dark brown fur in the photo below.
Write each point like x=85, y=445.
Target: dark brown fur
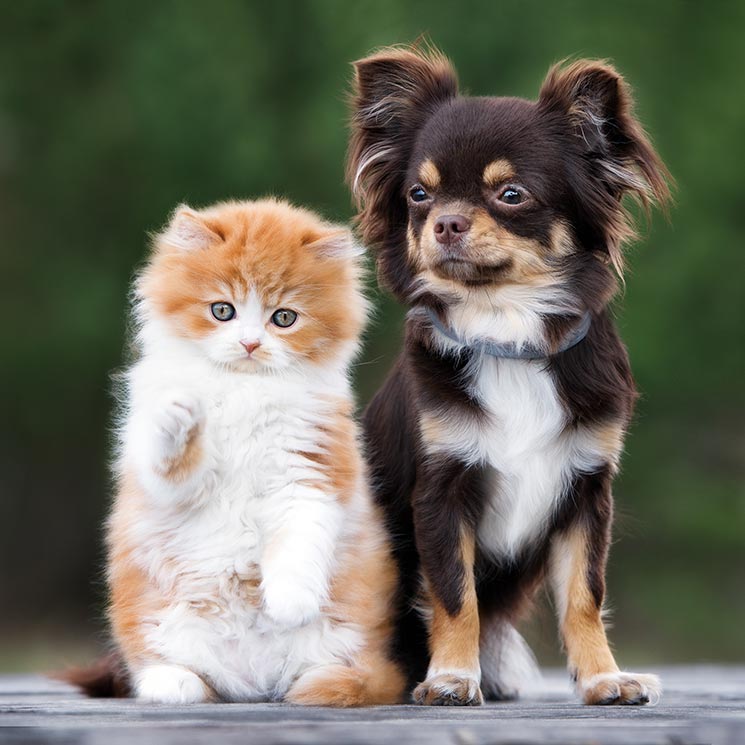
x=107, y=677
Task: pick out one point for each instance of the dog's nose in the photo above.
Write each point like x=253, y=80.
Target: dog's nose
x=449, y=228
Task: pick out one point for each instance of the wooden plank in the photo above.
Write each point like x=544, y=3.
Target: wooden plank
x=700, y=705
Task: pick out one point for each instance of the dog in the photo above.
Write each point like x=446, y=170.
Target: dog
x=493, y=443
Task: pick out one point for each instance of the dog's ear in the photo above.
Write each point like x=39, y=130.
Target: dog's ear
x=394, y=92
x=598, y=105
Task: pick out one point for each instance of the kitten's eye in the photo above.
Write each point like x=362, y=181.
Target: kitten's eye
x=512, y=195
x=284, y=318
x=417, y=194
x=222, y=311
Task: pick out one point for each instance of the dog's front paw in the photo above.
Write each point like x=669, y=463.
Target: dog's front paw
x=177, y=420
x=288, y=604
x=620, y=688
x=448, y=690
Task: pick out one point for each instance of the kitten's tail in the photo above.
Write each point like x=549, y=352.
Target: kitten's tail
x=107, y=677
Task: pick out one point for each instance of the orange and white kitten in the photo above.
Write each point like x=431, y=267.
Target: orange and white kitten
x=246, y=559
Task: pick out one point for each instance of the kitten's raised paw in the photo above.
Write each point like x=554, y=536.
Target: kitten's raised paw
x=177, y=420
x=448, y=690
x=620, y=689
x=170, y=684
x=289, y=605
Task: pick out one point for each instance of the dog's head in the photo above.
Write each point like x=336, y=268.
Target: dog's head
x=464, y=196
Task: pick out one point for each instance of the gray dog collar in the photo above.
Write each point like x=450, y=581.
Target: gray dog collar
x=510, y=350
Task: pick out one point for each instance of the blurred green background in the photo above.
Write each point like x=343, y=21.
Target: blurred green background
x=112, y=113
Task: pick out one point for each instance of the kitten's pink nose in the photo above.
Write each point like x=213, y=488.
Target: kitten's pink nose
x=250, y=346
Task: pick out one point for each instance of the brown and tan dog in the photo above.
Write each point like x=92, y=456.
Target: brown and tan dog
x=493, y=444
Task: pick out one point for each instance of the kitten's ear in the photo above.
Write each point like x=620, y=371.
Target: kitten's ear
x=337, y=243
x=188, y=230
x=599, y=106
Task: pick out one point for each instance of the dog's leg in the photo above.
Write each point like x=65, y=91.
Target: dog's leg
x=578, y=558
x=454, y=674
x=446, y=542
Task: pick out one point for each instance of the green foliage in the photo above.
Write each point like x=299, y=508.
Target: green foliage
x=112, y=113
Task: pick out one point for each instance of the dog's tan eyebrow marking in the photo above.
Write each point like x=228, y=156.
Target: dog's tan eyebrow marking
x=429, y=175
x=498, y=171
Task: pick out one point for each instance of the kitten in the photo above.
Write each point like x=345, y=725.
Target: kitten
x=246, y=559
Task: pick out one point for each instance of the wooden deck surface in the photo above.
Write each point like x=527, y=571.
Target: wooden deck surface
x=700, y=705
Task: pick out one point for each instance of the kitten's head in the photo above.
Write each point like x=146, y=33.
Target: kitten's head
x=256, y=286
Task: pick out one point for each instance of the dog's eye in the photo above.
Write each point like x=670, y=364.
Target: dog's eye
x=417, y=194
x=284, y=318
x=222, y=311
x=512, y=195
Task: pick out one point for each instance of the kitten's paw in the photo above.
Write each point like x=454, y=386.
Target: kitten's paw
x=288, y=604
x=448, y=690
x=620, y=688
x=170, y=684
x=177, y=421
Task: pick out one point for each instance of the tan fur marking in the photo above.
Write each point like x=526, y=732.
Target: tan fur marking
x=561, y=240
x=582, y=627
x=488, y=244
x=609, y=439
x=432, y=429
x=178, y=468
x=493, y=243
x=133, y=598
x=129, y=590
x=339, y=464
x=498, y=171
x=429, y=175
x=454, y=640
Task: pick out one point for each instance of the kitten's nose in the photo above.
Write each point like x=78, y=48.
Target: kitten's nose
x=450, y=228
x=250, y=346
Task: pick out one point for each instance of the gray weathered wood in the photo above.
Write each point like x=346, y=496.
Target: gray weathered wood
x=700, y=705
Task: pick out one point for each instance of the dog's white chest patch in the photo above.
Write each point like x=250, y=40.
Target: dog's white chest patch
x=531, y=450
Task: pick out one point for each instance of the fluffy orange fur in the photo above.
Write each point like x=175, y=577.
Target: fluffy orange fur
x=292, y=251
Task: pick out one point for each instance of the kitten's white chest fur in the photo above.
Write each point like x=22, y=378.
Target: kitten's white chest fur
x=204, y=549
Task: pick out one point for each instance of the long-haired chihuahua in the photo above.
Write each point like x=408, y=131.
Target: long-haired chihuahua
x=493, y=444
